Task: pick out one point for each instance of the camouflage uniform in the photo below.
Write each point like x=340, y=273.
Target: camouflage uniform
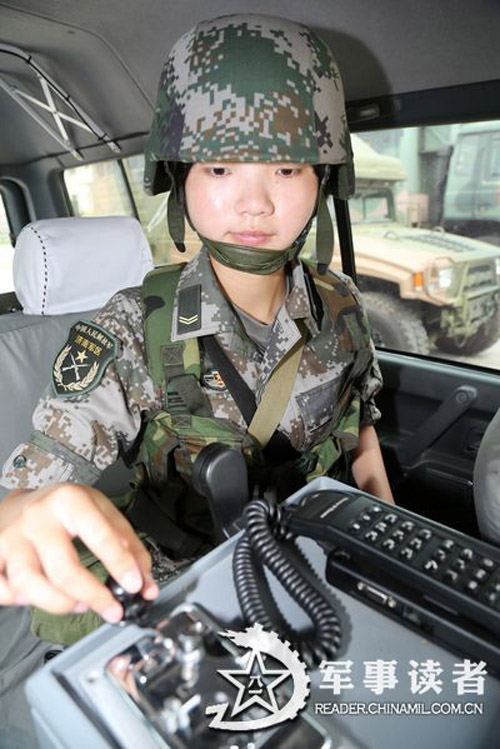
x=75, y=438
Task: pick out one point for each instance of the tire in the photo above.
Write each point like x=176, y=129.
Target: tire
x=486, y=335
x=394, y=324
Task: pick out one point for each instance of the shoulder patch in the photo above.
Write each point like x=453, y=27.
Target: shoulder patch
x=79, y=366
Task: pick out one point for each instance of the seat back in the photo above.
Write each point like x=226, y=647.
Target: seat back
x=487, y=482
x=63, y=269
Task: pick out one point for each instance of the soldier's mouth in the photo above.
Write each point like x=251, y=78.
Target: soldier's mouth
x=250, y=238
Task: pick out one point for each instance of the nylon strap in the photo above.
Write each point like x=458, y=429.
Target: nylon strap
x=279, y=448
x=158, y=292
x=175, y=210
x=324, y=234
x=244, y=397
x=250, y=259
x=276, y=394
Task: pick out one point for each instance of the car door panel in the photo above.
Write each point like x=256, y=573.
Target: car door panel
x=436, y=480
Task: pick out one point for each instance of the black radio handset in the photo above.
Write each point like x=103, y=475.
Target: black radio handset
x=220, y=475
x=430, y=577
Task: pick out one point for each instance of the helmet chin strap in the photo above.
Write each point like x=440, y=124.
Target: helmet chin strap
x=175, y=204
x=324, y=234
x=175, y=220
x=258, y=260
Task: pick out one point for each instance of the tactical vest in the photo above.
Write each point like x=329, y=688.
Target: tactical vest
x=165, y=505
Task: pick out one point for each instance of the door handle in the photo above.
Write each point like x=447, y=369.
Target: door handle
x=448, y=412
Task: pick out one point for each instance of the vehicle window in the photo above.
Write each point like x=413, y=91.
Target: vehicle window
x=152, y=211
x=98, y=190
x=493, y=168
x=114, y=188
x=6, y=252
x=372, y=205
x=465, y=159
x=426, y=230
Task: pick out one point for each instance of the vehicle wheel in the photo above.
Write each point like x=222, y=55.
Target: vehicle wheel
x=394, y=324
x=486, y=335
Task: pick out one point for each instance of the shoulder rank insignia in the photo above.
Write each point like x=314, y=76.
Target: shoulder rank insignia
x=79, y=366
x=189, y=311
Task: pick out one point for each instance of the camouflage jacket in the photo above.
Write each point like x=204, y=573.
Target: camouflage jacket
x=75, y=438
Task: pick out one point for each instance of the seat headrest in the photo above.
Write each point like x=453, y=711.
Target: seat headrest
x=75, y=264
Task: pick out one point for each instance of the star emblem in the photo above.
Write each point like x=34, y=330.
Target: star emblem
x=81, y=356
x=255, y=684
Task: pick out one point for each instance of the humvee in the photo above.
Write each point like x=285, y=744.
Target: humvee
x=421, y=287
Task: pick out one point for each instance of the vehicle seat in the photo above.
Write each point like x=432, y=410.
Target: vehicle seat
x=63, y=268
x=487, y=482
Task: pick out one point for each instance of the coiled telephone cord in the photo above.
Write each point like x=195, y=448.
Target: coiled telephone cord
x=265, y=543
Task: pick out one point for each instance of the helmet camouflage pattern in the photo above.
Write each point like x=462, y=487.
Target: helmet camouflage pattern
x=250, y=88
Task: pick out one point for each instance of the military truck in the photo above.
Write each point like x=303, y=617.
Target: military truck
x=421, y=287
x=471, y=203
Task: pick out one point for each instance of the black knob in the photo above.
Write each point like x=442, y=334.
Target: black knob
x=133, y=604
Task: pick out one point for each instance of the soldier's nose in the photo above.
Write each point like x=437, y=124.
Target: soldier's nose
x=254, y=199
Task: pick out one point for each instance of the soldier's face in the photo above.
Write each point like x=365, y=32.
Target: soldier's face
x=260, y=205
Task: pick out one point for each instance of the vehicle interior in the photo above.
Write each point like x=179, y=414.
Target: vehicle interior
x=77, y=90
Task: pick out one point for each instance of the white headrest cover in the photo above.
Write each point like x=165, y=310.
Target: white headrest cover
x=76, y=264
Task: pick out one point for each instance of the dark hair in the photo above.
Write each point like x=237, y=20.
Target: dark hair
x=320, y=170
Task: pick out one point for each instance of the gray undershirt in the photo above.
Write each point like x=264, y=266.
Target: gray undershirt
x=258, y=332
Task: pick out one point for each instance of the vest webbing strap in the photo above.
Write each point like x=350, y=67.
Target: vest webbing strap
x=276, y=395
x=279, y=448
x=164, y=356
x=243, y=396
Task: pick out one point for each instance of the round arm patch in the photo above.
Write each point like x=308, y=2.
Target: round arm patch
x=80, y=364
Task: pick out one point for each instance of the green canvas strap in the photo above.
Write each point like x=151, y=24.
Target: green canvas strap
x=324, y=234
x=158, y=294
x=276, y=394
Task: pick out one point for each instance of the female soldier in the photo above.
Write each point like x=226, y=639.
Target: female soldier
x=249, y=134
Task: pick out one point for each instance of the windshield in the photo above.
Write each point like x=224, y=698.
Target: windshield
x=372, y=204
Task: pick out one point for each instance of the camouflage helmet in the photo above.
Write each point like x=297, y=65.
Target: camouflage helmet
x=250, y=88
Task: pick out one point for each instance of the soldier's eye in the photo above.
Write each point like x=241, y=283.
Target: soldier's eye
x=288, y=171
x=218, y=171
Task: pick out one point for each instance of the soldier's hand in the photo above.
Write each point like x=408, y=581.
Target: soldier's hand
x=38, y=561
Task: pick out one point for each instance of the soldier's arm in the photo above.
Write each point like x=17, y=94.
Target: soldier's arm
x=74, y=439
x=368, y=466
x=78, y=434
